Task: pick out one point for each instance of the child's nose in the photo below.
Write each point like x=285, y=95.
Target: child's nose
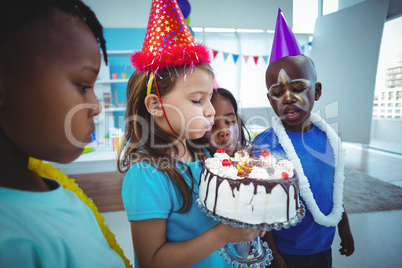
x=209, y=110
x=224, y=135
x=95, y=111
x=289, y=97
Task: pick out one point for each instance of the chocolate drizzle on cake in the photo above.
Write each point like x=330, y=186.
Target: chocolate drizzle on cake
x=236, y=183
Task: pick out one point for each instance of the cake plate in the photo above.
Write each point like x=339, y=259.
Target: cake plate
x=255, y=253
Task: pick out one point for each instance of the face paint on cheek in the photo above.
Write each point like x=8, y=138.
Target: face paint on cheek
x=287, y=87
x=234, y=132
x=302, y=100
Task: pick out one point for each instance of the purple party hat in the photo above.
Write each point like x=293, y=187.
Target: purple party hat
x=285, y=43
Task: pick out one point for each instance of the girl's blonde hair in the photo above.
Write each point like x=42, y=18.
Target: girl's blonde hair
x=146, y=141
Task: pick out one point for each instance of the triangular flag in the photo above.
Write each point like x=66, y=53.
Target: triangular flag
x=215, y=52
x=265, y=58
x=255, y=59
x=225, y=55
x=235, y=57
x=246, y=58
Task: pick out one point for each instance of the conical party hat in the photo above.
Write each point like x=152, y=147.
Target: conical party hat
x=168, y=40
x=285, y=43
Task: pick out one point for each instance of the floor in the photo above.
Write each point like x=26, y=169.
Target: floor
x=377, y=235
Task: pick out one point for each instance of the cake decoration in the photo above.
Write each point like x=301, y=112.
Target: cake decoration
x=265, y=153
x=244, y=190
x=267, y=159
x=226, y=162
x=221, y=150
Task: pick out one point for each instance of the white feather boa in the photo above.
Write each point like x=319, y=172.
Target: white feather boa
x=335, y=216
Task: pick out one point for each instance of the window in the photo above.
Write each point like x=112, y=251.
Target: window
x=329, y=6
x=304, y=15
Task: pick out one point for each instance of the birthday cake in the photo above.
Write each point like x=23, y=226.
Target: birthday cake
x=249, y=190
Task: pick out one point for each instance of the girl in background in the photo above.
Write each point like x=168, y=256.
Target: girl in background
x=228, y=130
x=168, y=108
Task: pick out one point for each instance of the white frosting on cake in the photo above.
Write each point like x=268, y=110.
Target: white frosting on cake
x=268, y=161
x=215, y=166
x=281, y=167
x=259, y=173
x=221, y=156
x=258, y=198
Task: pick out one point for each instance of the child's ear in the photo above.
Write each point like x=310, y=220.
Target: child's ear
x=153, y=105
x=317, y=93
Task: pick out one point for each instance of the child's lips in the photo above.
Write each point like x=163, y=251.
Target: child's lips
x=291, y=114
x=227, y=146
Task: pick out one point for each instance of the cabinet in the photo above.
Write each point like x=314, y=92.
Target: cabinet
x=112, y=114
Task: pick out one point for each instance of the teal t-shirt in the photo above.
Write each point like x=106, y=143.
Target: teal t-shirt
x=149, y=194
x=51, y=229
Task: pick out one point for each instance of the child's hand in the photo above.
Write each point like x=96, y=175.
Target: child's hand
x=230, y=234
x=347, y=242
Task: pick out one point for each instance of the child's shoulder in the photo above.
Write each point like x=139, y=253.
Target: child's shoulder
x=264, y=136
x=144, y=167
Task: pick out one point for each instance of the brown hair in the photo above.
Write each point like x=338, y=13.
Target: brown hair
x=146, y=141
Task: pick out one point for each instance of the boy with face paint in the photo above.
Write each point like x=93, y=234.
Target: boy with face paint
x=292, y=90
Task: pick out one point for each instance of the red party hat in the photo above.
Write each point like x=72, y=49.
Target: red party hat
x=285, y=43
x=168, y=40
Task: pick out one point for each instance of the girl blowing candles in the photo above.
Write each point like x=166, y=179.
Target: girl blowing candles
x=228, y=130
x=168, y=107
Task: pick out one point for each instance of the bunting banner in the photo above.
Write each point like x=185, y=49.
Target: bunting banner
x=225, y=55
x=235, y=57
x=256, y=58
x=215, y=52
x=246, y=58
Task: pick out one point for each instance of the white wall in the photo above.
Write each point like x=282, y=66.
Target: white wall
x=345, y=50
x=121, y=13
x=247, y=14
